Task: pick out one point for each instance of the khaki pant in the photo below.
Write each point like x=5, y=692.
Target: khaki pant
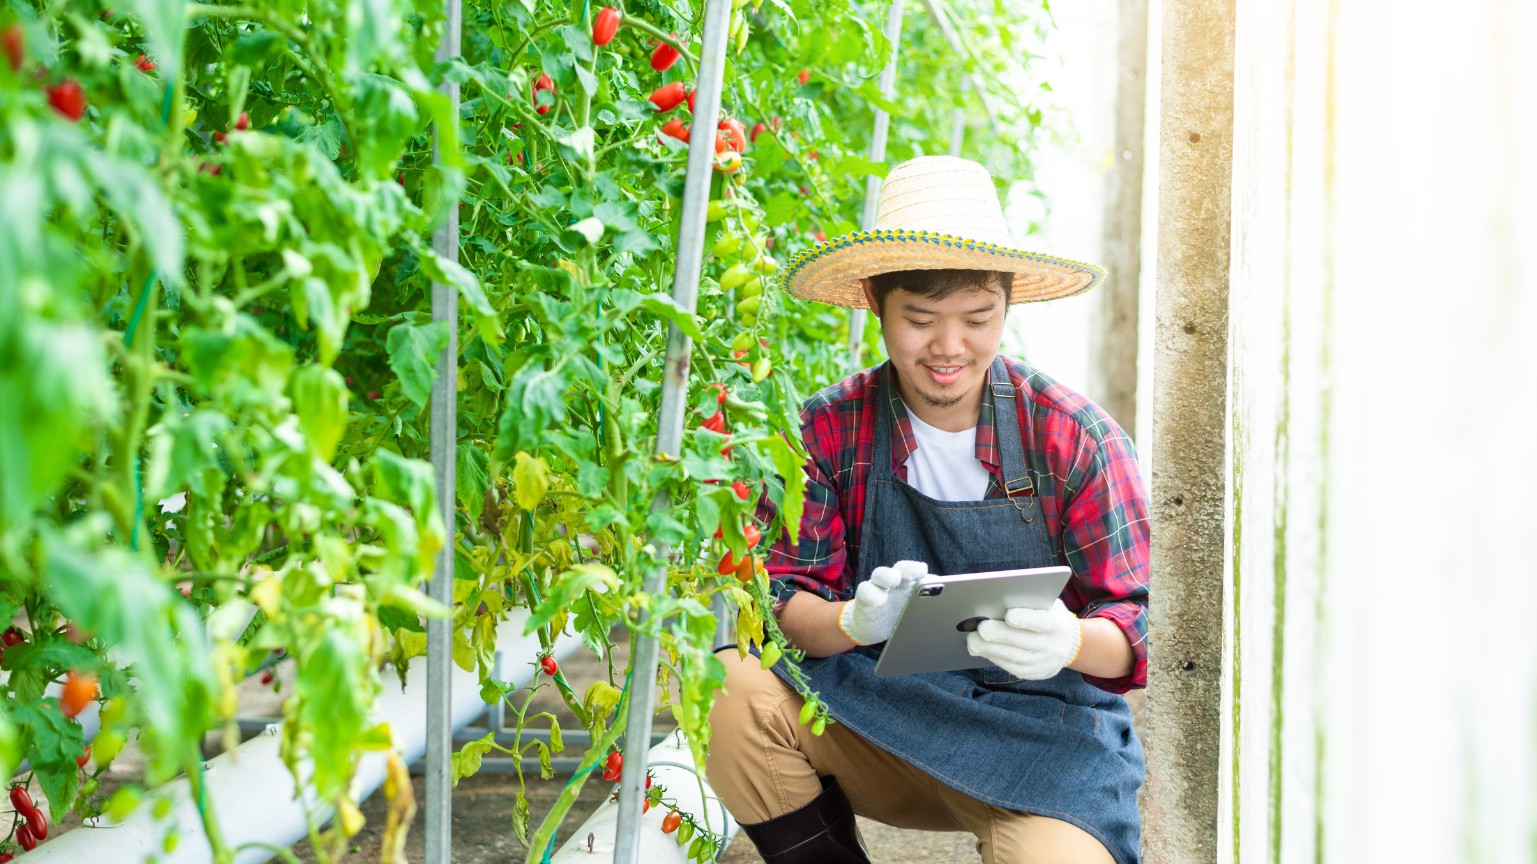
x=764, y=764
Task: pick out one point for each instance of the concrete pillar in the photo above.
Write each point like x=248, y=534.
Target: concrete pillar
x=1113, y=338
x=1190, y=432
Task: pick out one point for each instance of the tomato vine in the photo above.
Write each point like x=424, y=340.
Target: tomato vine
x=216, y=349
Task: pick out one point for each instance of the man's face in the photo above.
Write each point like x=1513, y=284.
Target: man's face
x=941, y=349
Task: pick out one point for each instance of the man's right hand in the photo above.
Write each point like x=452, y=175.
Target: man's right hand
x=878, y=602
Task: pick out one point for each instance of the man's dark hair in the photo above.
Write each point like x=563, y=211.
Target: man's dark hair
x=939, y=284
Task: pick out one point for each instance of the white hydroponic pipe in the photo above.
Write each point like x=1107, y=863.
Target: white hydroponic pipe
x=672, y=764
x=252, y=793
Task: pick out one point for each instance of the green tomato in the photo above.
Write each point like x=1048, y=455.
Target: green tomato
x=818, y=725
x=808, y=711
x=753, y=288
x=735, y=275
x=726, y=244
x=742, y=342
x=765, y=264
x=749, y=306
x=748, y=320
x=770, y=656
x=716, y=211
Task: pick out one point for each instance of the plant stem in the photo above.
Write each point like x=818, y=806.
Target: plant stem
x=557, y=813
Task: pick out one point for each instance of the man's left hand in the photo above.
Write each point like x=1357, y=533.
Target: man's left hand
x=1033, y=644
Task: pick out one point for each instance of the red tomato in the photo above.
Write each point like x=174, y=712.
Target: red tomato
x=12, y=636
x=615, y=761
x=752, y=534
x=757, y=129
x=819, y=236
x=715, y=423
x=84, y=757
x=37, y=823
x=804, y=76
x=21, y=800
x=544, y=83
x=68, y=99
x=79, y=691
x=720, y=392
x=25, y=838
x=741, y=489
x=664, y=56
x=243, y=122
x=144, y=64
x=690, y=101
x=605, y=25
x=668, y=96
x=15, y=47
x=736, y=135
x=670, y=822
x=728, y=564
x=744, y=570
x=549, y=665
x=676, y=128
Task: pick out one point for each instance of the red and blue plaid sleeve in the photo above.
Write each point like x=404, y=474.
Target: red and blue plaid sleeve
x=818, y=561
x=1101, y=512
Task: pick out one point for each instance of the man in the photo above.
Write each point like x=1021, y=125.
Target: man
x=948, y=458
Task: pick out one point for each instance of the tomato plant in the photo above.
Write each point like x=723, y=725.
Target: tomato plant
x=217, y=350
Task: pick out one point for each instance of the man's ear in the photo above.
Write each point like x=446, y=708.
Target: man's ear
x=869, y=288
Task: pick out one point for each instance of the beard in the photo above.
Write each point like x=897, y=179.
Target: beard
x=940, y=401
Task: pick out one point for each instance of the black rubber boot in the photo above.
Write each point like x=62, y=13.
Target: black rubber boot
x=822, y=832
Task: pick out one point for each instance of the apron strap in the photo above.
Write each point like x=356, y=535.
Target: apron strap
x=1016, y=474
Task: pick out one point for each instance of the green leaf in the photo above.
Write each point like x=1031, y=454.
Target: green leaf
x=181, y=450
x=112, y=594
x=256, y=48
x=590, y=228
x=471, y=478
x=53, y=741
x=320, y=399
x=414, y=354
x=470, y=291
x=663, y=306
x=791, y=466
x=578, y=146
x=136, y=197
x=567, y=588
x=335, y=699
x=467, y=760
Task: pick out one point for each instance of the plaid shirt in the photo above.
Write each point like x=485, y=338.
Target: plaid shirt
x=1085, y=472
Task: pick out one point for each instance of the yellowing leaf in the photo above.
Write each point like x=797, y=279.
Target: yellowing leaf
x=530, y=477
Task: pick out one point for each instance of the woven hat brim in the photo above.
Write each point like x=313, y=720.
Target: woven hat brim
x=830, y=272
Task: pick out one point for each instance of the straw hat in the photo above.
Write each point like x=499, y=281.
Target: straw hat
x=935, y=213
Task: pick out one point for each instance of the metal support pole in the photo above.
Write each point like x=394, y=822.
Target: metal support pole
x=669, y=439
x=443, y=438
x=877, y=154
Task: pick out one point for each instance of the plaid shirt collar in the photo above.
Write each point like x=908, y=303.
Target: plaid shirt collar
x=904, y=443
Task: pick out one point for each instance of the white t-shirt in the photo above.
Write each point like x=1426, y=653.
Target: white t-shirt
x=945, y=465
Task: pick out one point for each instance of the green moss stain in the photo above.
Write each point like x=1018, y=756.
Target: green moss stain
x=1278, y=592
x=1237, y=708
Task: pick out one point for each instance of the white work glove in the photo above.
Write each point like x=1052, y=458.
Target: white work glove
x=878, y=602
x=1034, y=644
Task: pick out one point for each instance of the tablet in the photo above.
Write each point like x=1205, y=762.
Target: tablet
x=931, y=634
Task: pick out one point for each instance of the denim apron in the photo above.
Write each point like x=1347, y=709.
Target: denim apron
x=1061, y=748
